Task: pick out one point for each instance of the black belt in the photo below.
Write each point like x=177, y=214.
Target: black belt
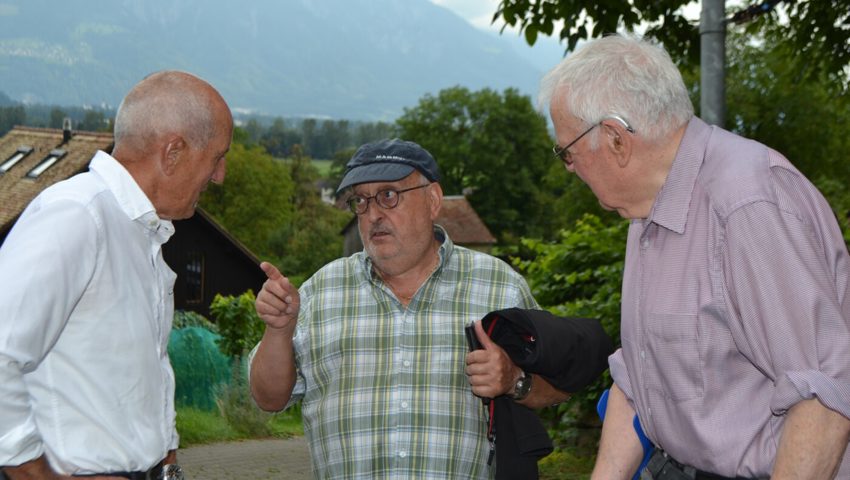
x=664, y=467
x=155, y=473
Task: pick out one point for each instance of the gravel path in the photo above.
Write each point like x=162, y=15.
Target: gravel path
x=248, y=460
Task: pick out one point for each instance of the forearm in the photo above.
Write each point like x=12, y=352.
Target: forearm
x=37, y=469
x=543, y=394
x=273, y=370
x=813, y=442
x=620, y=450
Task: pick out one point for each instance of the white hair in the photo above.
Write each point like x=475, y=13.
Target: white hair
x=623, y=76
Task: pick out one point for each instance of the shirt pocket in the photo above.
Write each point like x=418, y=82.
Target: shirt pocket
x=674, y=364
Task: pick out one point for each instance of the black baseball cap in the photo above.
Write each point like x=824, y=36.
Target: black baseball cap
x=388, y=160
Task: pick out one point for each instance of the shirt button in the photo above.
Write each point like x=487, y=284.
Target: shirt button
x=402, y=454
x=645, y=242
x=404, y=404
x=642, y=354
x=406, y=363
x=649, y=411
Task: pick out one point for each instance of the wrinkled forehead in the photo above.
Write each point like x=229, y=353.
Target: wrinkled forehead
x=371, y=187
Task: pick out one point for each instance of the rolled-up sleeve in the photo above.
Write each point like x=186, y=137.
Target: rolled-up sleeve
x=617, y=365
x=786, y=284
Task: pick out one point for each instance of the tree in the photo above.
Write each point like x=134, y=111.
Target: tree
x=93, y=121
x=492, y=147
x=11, y=116
x=57, y=118
x=254, y=200
x=313, y=237
x=373, y=131
x=278, y=140
x=816, y=30
x=772, y=102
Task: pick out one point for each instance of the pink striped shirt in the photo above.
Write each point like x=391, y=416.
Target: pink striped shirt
x=736, y=305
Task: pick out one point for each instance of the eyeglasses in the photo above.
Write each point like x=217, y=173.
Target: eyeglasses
x=386, y=199
x=564, y=152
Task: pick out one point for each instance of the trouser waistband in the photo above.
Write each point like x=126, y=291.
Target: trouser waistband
x=661, y=466
x=155, y=473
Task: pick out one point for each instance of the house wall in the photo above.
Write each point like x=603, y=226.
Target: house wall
x=226, y=270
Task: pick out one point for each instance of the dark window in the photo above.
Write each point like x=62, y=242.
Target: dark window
x=16, y=157
x=194, y=277
x=48, y=162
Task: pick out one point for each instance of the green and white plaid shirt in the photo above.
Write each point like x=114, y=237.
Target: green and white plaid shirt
x=384, y=391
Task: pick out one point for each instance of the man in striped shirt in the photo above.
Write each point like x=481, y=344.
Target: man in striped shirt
x=374, y=343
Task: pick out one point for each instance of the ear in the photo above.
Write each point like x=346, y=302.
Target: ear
x=172, y=152
x=618, y=141
x=435, y=192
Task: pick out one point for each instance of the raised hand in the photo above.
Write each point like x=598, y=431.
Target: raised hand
x=278, y=301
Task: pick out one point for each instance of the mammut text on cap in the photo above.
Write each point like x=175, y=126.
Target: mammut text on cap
x=388, y=161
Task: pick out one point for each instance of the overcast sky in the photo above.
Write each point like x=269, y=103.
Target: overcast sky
x=545, y=53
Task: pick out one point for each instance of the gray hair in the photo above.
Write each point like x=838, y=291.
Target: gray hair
x=622, y=76
x=166, y=102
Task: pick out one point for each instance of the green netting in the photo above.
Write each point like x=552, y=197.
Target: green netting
x=198, y=366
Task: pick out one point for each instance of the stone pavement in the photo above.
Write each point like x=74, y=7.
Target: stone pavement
x=277, y=459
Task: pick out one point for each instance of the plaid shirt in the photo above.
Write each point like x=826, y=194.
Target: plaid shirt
x=383, y=386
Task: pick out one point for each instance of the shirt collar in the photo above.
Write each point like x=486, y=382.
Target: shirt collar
x=672, y=203
x=130, y=196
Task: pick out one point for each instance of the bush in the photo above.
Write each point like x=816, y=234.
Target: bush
x=579, y=275
x=240, y=326
x=237, y=407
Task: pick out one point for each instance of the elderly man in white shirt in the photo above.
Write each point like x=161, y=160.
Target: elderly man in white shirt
x=86, y=299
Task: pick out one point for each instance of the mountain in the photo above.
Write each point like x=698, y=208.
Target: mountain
x=354, y=59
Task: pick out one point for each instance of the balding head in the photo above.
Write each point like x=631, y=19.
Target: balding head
x=169, y=103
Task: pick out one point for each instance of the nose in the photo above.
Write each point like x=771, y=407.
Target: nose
x=373, y=210
x=219, y=172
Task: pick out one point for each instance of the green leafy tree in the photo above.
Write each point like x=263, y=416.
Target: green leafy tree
x=797, y=115
x=814, y=30
x=312, y=238
x=255, y=199
x=492, y=146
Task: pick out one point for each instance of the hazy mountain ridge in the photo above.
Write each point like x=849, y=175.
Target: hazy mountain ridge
x=335, y=58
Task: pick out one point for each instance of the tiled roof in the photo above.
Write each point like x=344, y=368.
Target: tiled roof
x=463, y=225
x=16, y=189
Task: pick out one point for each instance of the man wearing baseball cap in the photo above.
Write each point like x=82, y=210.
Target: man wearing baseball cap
x=373, y=344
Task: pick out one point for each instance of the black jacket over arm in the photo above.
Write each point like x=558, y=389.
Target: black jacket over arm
x=567, y=352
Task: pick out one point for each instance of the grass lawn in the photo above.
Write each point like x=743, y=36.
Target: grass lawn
x=199, y=426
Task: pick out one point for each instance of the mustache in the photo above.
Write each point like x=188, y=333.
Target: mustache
x=378, y=229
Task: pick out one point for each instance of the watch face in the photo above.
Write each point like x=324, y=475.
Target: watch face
x=172, y=472
x=522, y=387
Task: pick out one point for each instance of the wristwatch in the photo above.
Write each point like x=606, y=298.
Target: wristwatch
x=522, y=386
x=172, y=472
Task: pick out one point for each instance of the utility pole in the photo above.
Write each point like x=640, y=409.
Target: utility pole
x=712, y=31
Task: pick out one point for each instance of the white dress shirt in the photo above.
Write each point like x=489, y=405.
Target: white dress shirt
x=86, y=304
